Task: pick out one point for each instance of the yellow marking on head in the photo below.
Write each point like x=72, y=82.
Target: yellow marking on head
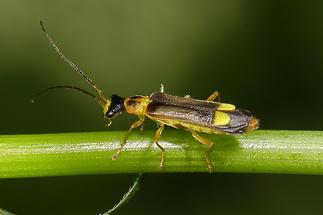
x=221, y=118
x=106, y=107
x=224, y=106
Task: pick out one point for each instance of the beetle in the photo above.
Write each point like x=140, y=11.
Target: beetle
x=207, y=116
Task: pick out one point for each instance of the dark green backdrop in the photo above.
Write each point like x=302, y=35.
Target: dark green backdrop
x=265, y=56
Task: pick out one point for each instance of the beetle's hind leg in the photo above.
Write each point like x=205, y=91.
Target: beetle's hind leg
x=214, y=96
x=209, y=147
x=156, y=139
x=133, y=126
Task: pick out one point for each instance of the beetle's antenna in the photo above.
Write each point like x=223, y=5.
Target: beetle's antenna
x=34, y=98
x=102, y=98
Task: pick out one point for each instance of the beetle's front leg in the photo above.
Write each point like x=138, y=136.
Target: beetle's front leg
x=133, y=126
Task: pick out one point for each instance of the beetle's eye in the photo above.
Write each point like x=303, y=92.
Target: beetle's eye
x=109, y=114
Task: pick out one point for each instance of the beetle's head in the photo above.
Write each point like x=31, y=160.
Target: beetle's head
x=113, y=107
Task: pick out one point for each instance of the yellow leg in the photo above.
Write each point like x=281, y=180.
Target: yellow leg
x=156, y=139
x=133, y=126
x=213, y=96
x=209, y=147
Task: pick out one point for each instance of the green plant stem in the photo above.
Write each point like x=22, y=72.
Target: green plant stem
x=4, y=212
x=262, y=151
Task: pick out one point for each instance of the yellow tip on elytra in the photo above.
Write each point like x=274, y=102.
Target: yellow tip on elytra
x=221, y=118
x=226, y=107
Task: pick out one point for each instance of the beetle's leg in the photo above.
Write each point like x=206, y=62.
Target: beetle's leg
x=214, y=96
x=156, y=139
x=209, y=147
x=133, y=126
x=107, y=121
x=161, y=89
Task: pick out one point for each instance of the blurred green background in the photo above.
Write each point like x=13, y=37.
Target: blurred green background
x=265, y=56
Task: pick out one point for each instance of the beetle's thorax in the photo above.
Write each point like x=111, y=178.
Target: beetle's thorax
x=136, y=104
